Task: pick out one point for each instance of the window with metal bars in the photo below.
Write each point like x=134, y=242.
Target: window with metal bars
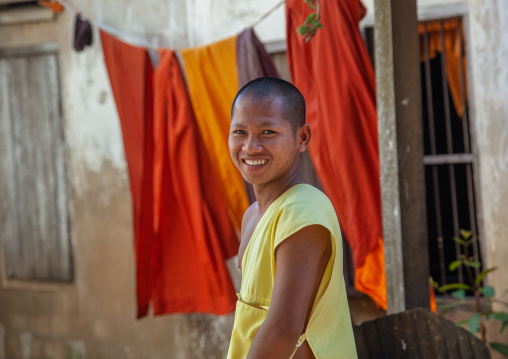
x=449, y=159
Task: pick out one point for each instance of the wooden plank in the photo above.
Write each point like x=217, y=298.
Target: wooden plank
x=416, y=334
x=26, y=14
x=8, y=215
x=40, y=249
x=43, y=173
x=23, y=52
x=362, y=345
x=438, y=342
x=19, y=84
x=64, y=252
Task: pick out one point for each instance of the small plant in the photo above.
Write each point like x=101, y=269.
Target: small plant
x=482, y=313
x=312, y=24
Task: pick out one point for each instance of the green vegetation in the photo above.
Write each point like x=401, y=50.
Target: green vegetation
x=312, y=24
x=484, y=296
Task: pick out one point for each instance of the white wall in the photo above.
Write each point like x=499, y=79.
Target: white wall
x=180, y=24
x=489, y=59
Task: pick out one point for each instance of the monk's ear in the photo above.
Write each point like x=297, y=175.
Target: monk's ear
x=304, y=135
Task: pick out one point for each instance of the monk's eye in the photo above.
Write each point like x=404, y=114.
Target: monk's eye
x=239, y=132
x=268, y=132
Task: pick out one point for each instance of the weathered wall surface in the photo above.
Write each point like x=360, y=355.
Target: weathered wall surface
x=95, y=315
x=489, y=77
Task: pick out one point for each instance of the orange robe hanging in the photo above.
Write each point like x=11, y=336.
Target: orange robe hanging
x=194, y=233
x=130, y=73
x=335, y=75
x=213, y=82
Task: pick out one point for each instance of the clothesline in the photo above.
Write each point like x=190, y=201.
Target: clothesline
x=133, y=40
x=137, y=40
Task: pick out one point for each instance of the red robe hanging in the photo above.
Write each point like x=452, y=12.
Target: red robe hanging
x=194, y=233
x=182, y=231
x=130, y=73
x=335, y=75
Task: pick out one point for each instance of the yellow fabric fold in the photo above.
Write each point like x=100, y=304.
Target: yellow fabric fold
x=212, y=79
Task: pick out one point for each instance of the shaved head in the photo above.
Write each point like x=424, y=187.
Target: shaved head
x=293, y=103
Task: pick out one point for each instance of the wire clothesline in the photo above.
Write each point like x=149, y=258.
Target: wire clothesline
x=133, y=40
x=138, y=40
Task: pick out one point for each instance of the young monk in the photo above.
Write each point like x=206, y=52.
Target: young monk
x=292, y=302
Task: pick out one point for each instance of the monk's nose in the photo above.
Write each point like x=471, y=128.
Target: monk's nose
x=251, y=144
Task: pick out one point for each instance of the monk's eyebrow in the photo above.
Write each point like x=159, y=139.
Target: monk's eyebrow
x=266, y=124
x=238, y=125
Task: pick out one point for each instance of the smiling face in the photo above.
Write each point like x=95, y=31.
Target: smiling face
x=262, y=144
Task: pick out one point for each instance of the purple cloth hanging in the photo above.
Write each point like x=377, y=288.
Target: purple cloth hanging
x=82, y=33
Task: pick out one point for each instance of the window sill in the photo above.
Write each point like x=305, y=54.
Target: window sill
x=26, y=14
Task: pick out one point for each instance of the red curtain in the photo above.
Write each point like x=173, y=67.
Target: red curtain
x=130, y=74
x=335, y=75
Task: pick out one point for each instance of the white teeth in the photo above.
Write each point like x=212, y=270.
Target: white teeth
x=255, y=163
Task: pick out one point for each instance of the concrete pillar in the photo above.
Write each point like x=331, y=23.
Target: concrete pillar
x=401, y=153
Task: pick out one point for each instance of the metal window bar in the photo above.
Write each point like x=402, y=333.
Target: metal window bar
x=430, y=107
x=450, y=159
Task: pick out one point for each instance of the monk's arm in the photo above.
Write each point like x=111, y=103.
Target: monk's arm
x=297, y=258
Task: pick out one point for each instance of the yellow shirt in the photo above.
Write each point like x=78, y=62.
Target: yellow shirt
x=329, y=331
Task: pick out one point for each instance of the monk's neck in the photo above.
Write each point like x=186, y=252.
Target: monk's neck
x=266, y=194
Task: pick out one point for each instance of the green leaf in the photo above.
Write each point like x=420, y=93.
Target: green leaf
x=474, y=264
x=499, y=316
x=462, y=322
x=454, y=265
x=302, y=30
x=454, y=286
x=503, y=327
x=500, y=348
x=488, y=291
x=459, y=294
x=474, y=323
x=460, y=241
x=482, y=275
x=465, y=234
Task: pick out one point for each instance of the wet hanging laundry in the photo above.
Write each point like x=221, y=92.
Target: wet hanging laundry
x=213, y=82
x=130, y=74
x=335, y=75
x=82, y=33
x=194, y=234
